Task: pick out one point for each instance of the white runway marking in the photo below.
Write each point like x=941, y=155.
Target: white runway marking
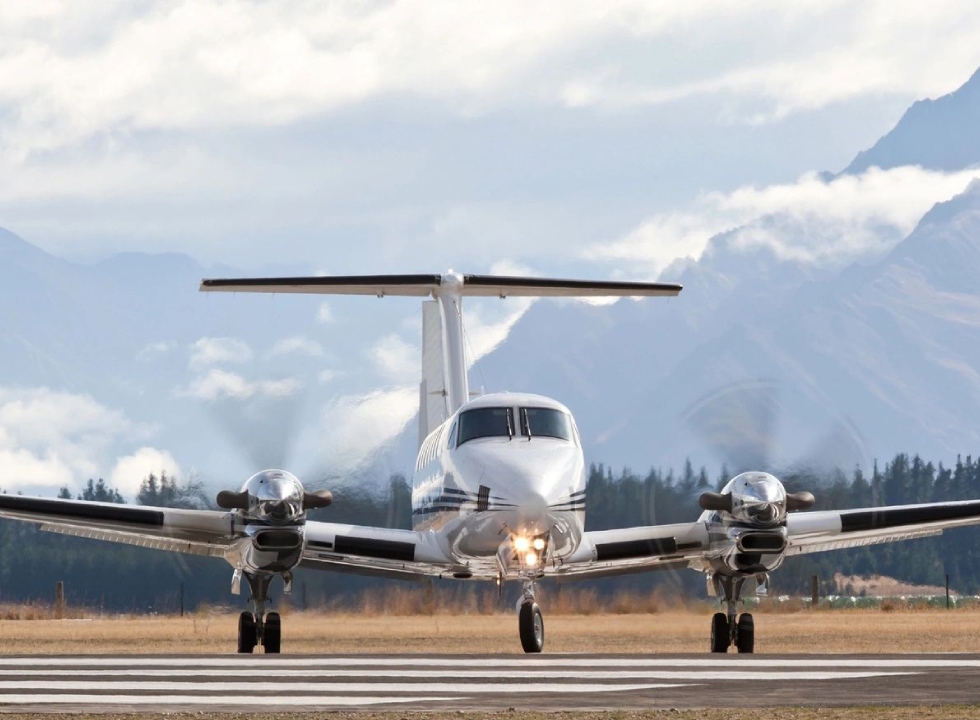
x=85, y=684
x=359, y=688
x=427, y=675
x=230, y=700
x=514, y=663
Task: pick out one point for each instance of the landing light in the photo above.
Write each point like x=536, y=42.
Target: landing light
x=539, y=543
x=531, y=559
x=522, y=544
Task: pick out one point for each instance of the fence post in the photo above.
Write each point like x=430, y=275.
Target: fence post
x=947, y=591
x=59, y=600
x=814, y=591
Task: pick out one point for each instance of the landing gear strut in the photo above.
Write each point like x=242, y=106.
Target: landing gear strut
x=530, y=622
x=725, y=629
x=256, y=627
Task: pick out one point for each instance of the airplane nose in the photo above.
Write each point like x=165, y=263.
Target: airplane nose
x=534, y=512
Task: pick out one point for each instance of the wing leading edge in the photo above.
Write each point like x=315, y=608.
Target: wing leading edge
x=196, y=532
x=818, y=531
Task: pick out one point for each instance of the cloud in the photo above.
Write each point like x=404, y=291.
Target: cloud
x=297, y=345
x=811, y=220
x=216, y=351
x=74, y=74
x=353, y=428
x=396, y=360
x=50, y=439
x=328, y=376
x=22, y=468
x=129, y=471
x=324, y=314
x=219, y=383
x=154, y=350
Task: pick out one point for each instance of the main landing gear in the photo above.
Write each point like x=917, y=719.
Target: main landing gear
x=725, y=629
x=257, y=627
x=530, y=622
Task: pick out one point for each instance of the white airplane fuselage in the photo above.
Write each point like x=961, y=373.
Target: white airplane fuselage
x=504, y=469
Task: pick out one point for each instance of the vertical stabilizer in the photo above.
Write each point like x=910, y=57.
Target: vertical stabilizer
x=433, y=408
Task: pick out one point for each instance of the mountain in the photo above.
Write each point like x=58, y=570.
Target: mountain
x=144, y=359
x=940, y=134
x=830, y=363
x=826, y=363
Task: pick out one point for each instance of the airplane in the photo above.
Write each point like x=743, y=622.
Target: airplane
x=499, y=493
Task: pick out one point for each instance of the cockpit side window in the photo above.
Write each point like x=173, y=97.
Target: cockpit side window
x=546, y=422
x=452, y=437
x=485, y=422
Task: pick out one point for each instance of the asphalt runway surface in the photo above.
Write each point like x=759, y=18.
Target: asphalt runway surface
x=242, y=683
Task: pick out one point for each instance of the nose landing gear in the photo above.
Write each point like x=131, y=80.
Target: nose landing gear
x=530, y=622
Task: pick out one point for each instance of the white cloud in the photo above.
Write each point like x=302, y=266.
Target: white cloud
x=129, y=471
x=811, y=220
x=328, y=376
x=216, y=351
x=50, y=439
x=72, y=74
x=396, y=360
x=22, y=468
x=297, y=345
x=154, y=350
x=353, y=428
x=324, y=314
x=217, y=383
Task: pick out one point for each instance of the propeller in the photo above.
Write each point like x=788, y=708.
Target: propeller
x=265, y=429
x=261, y=427
x=738, y=424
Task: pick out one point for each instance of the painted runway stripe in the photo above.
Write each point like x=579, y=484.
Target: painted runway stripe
x=514, y=663
x=356, y=687
x=426, y=675
x=227, y=700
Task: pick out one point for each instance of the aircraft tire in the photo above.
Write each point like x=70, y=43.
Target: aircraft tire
x=530, y=622
x=719, y=633
x=272, y=634
x=246, y=633
x=745, y=634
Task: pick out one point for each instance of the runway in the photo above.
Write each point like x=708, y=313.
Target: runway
x=100, y=683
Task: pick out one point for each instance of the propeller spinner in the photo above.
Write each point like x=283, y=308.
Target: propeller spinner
x=274, y=496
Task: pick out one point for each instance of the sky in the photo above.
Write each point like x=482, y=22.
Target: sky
x=557, y=137
x=416, y=136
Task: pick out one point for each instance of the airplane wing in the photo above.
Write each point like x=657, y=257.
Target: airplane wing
x=384, y=552
x=810, y=532
x=662, y=547
x=631, y=550
x=195, y=532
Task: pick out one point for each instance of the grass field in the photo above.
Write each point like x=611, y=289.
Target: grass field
x=894, y=630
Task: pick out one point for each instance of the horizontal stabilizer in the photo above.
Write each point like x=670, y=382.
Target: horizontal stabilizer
x=423, y=285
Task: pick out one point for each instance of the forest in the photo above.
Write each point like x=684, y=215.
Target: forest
x=125, y=578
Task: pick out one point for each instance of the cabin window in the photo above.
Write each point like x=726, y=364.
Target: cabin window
x=485, y=422
x=546, y=422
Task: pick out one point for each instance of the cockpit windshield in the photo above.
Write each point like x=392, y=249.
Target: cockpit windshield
x=499, y=422
x=485, y=422
x=546, y=422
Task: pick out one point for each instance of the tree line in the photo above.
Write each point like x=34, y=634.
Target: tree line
x=122, y=577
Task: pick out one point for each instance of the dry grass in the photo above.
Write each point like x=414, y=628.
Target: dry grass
x=895, y=630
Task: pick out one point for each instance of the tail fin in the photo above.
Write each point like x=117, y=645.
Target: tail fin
x=433, y=396
x=444, y=386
